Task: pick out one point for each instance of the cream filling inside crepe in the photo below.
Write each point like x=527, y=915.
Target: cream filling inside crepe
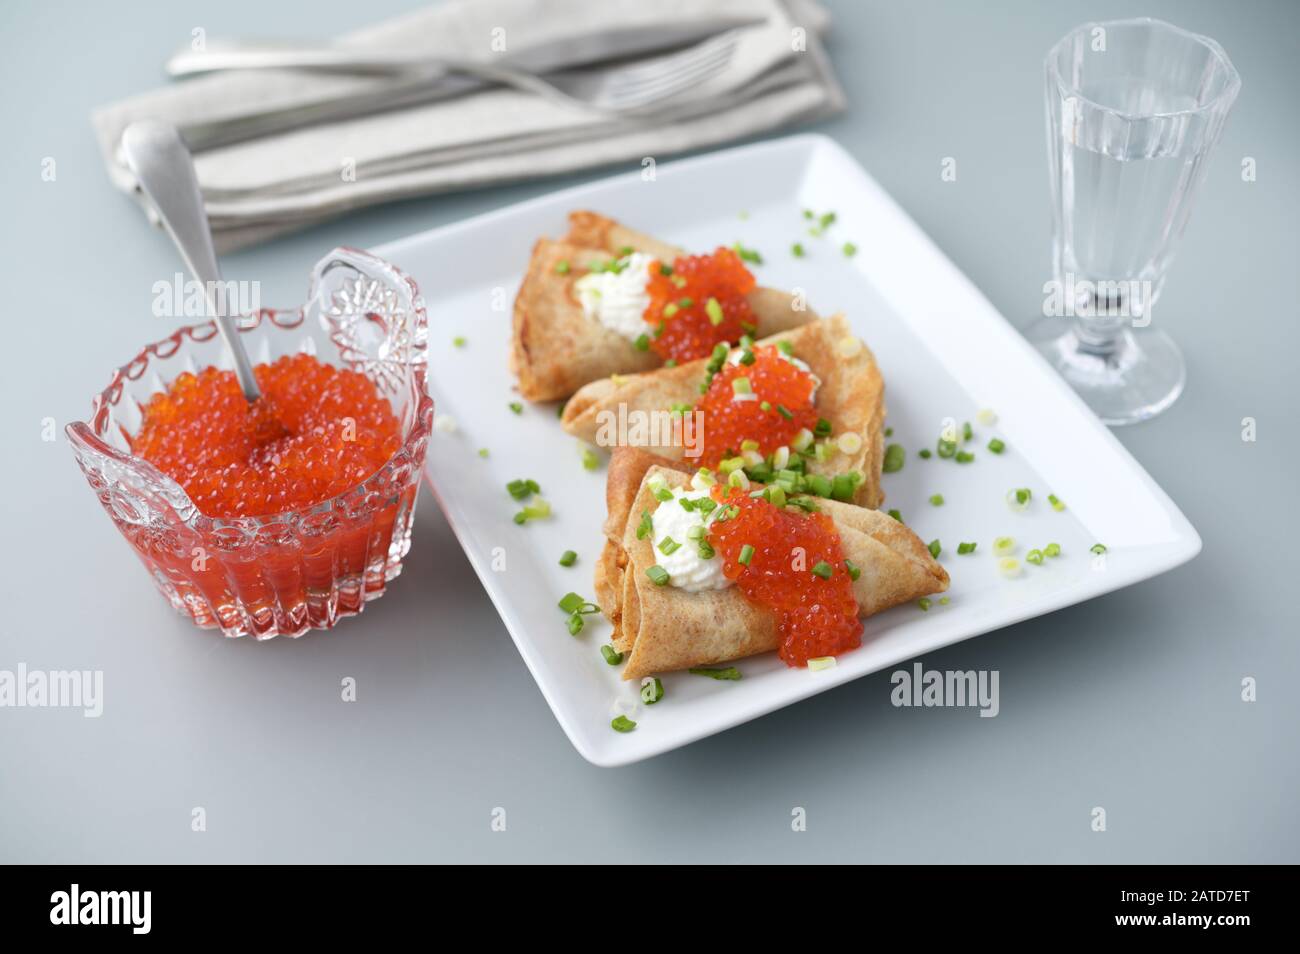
x=686, y=568
x=618, y=299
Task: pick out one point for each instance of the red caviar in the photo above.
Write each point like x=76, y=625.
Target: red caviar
x=679, y=304
x=816, y=616
x=316, y=432
x=785, y=389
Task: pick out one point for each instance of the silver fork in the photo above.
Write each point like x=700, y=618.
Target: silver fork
x=620, y=89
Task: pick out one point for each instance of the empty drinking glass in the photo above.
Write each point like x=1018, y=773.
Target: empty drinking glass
x=1134, y=108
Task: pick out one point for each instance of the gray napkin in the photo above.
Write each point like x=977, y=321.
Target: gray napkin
x=290, y=179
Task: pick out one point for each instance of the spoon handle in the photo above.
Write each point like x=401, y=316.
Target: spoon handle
x=164, y=171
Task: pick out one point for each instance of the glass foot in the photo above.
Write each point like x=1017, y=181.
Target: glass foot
x=1139, y=374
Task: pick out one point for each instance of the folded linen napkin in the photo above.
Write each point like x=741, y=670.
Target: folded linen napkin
x=289, y=178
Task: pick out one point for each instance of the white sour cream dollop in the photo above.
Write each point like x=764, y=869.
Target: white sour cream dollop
x=685, y=567
x=618, y=299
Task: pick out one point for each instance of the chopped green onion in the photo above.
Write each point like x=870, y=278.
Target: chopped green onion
x=738, y=480
x=819, y=484
x=765, y=407
x=842, y=487
x=996, y=446
x=483, y=452
x=797, y=250
x=807, y=504
x=713, y=309
x=537, y=509
x=965, y=548
x=946, y=449
x=1098, y=548
x=642, y=343
x=785, y=348
x=612, y=655
x=746, y=554
x=747, y=254
x=1009, y=566
x=924, y=453
x=570, y=602
x=775, y=495
x=966, y=432
x=663, y=494
x=1052, y=550
x=568, y=558
x=523, y=487
x=854, y=570
x=823, y=569
x=1057, y=503
x=964, y=457
x=516, y=407
x=1018, y=499
x=590, y=459
x=730, y=674
x=986, y=416
x=896, y=515
x=741, y=385
x=686, y=302
x=1002, y=546
x=936, y=500
x=850, y=250
x=1034, y=556
x=652, y=690
x=646, y=527
x=658, y=575
x=622, y=724
x=458, y=341
x=889, y=432
x=669, y=546
x=894, y=458
x=924, y=603
x=669, y=310
x=575, y=624
x=944, y=601
x=785, y=412
x=562, y=266
x=935, y=548
x=818, y=663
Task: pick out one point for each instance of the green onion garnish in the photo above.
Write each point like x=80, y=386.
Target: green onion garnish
x=1052, y=550
x=652, y=691
x=936, y=500
x=784, y=412
x=1004, y=546
x=575, y=624
x=785, y=348
x=665, y=269
x=483, y=452
x=946, y=449
x=797, y=250
x=889, y=432
x=741, y=385
x=590, y=459
x=823, y=569
x=568, y=558
x=646, y=527
x=823, y=428
x=854, y=570
x=612, y=656
x=669, y=310
x=896, y=515
x=516, y=407
x=1057, y=503
x=850, y=250
x=1098, y=548
x=843, y=486
x=713, y=309
x=894, y=458
x=966, y=432
x=669, y=546
x=965, y=548
x=747, y=254
x=1034, y=556
x=562, y=267
x=935, y=548
x=924, y=453
x=458, y=341
x=730, y=674
x=570, y=602
x=642, y=343
x=924, y=603
x=996, y=446
x=964, y=457
x=746, y=554
x=685, y=302
x=658, y=575
x=523, y=487
x=622, y=724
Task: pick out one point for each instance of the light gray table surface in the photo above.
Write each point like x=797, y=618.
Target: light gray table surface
x=1131, y=702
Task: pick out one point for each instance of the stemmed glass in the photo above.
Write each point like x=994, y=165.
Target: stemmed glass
x=1134, y=108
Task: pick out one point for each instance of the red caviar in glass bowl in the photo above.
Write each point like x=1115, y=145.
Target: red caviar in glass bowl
x=285, y=516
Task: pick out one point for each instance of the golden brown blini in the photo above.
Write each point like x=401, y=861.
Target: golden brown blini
x=556, y=348
x=851, y=396
x=664, y=628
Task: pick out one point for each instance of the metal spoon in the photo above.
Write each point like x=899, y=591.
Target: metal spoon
x=164, y=171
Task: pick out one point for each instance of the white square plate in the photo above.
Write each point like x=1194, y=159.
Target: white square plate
x=944, y=352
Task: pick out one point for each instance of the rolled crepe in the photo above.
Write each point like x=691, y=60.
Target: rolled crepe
x=664, y=628
x=851, y=396
x=556, y=348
